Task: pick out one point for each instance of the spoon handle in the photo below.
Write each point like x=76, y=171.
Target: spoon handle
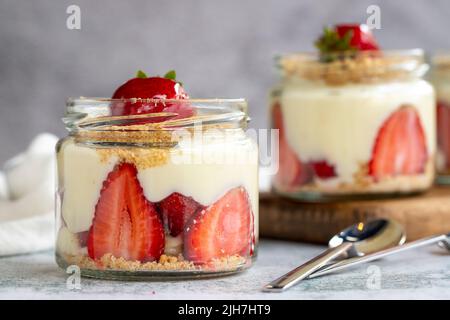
x=343, y=264
x=296, y=275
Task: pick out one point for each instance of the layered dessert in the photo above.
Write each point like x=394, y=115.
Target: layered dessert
x=151, y=182
x=440, y=78
x=353, y=120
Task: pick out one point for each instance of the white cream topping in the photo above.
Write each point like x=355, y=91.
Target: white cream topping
x=205, y=178
x=173, y=245
x=82, y=174
x=340, y=124
x=67, y=242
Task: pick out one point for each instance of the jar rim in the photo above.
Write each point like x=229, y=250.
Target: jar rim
x=194, y=100
x=314, y=55
x=354, y=66
x=95, y=113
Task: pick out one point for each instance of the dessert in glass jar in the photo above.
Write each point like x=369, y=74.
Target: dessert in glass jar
x=154, y=184
x=354, y=121
x=440, y=77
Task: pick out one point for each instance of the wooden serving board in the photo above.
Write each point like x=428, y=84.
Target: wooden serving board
x=421, y=215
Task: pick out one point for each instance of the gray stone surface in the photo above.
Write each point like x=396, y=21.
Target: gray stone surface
x=219, y=48
x=420, y=274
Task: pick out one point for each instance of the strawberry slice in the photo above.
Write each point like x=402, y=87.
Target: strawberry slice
x=361, y=39
x=176, y=210
x=291, y=172
x=323, y=169
x=400, y=147
x=125, y=223
x=253, y=236
x=222, y=229
x=161, y=88
x=443, y=131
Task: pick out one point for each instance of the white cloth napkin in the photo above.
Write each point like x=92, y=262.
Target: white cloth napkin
x=27, y=198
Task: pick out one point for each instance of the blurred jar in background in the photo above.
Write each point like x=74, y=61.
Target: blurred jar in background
x=352, y=125
x=440, y=77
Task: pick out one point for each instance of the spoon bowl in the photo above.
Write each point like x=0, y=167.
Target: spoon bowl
x=370, y=237
x=445, y=244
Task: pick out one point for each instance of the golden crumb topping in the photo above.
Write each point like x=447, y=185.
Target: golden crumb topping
x=357, y=68
x=142, y=145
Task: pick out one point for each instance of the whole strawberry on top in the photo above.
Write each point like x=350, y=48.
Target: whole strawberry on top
x=159, y=89
x=346, y=38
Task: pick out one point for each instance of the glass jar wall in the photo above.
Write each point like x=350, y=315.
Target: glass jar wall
x=440, y=77
x=155, y=195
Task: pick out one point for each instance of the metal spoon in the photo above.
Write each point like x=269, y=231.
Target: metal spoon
x=443, y=241
x=357, y=240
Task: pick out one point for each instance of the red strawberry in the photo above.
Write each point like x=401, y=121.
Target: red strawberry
x=291, y=172
x=222, y=229
x=176, y=210
x=253, y=236
x=443, y=130
x=323, y=169
x=125, y=223
x=400, y=147
x=362, y=38
x=151, y=88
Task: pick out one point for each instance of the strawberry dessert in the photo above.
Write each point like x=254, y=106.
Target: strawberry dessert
x=353, y=120
x=153, y=183
x=440, y=78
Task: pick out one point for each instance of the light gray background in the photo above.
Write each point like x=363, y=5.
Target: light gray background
x=219, y=48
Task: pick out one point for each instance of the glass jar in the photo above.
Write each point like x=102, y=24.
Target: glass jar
x=156, y=195
x=354, y=125
x=440, y=77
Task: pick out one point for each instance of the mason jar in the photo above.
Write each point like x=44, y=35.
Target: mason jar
x=156, y=195
x=440, y=78
x=354, y=125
